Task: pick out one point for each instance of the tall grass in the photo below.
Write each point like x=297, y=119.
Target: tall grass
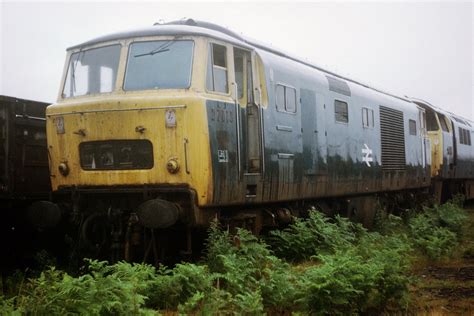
x=316, y=235
x=437, y=231
x=315, y=266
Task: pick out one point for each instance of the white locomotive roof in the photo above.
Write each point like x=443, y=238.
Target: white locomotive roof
x=201, y=28
x=458, y=118
x=170, y=29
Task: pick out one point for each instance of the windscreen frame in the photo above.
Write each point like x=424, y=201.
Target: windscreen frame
x=66, y=69
x=156, y=39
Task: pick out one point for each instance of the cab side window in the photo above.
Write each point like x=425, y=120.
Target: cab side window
x=341, y=111
x=412, y=127
x=442, y=121
x=290, y=105
x=285, y=98
x=280, y=98
x=367, y=118
x=464, y=136
x=216, y=79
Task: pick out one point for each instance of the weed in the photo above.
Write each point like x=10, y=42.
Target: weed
x=316, y=235
x=364, y=278
x=452, y=217
x=170, y=288
x=7, y=307
x=107, y=289
x=350, y=271
x=247, y=268
x=436, y=231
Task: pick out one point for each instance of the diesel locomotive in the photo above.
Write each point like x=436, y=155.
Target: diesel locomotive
x=158, y=131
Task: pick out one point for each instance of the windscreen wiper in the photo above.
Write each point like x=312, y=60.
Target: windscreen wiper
x=153, y=52
x=162, y=48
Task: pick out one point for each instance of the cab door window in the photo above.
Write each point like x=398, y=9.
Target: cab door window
x=239, y=73
x=217, y=69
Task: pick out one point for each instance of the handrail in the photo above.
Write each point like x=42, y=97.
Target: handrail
x=121, y=110
x=237, y=117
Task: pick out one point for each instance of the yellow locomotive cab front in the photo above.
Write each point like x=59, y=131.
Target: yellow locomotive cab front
x=116, y=125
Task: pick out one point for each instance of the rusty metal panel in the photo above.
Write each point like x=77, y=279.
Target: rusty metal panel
x=469, y=190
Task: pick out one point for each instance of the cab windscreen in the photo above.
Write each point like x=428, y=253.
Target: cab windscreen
x=159, y=65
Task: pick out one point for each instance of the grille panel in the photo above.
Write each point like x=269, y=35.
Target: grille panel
x=392, y=134
x=116, y=155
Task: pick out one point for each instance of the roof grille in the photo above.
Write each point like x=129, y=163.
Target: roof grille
x=392, y=134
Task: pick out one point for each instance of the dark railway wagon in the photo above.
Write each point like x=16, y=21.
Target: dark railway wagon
x=24, y=171
x=24, y=177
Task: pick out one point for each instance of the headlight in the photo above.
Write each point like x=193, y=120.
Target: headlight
x=172, y=165
x=63, y=168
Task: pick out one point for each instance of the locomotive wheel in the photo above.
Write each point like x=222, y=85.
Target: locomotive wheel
x=94, y=231
x=362, y=210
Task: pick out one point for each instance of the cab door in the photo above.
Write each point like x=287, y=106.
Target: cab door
x=249, y=124
x=313, y=121
x=424, y=138
x=224, y=125
x=448, y=150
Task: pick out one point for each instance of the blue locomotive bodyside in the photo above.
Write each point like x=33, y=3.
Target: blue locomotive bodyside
x=323, y=137
x=340, y=139
x=463, y=138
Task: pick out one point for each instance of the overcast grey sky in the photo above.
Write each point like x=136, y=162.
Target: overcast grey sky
x=423, y=49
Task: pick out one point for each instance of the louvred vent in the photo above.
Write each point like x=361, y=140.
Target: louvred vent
x=392, y=134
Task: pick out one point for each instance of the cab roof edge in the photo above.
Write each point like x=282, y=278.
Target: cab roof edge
x=221, y=29
x=206, y=25
x=231, y=35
